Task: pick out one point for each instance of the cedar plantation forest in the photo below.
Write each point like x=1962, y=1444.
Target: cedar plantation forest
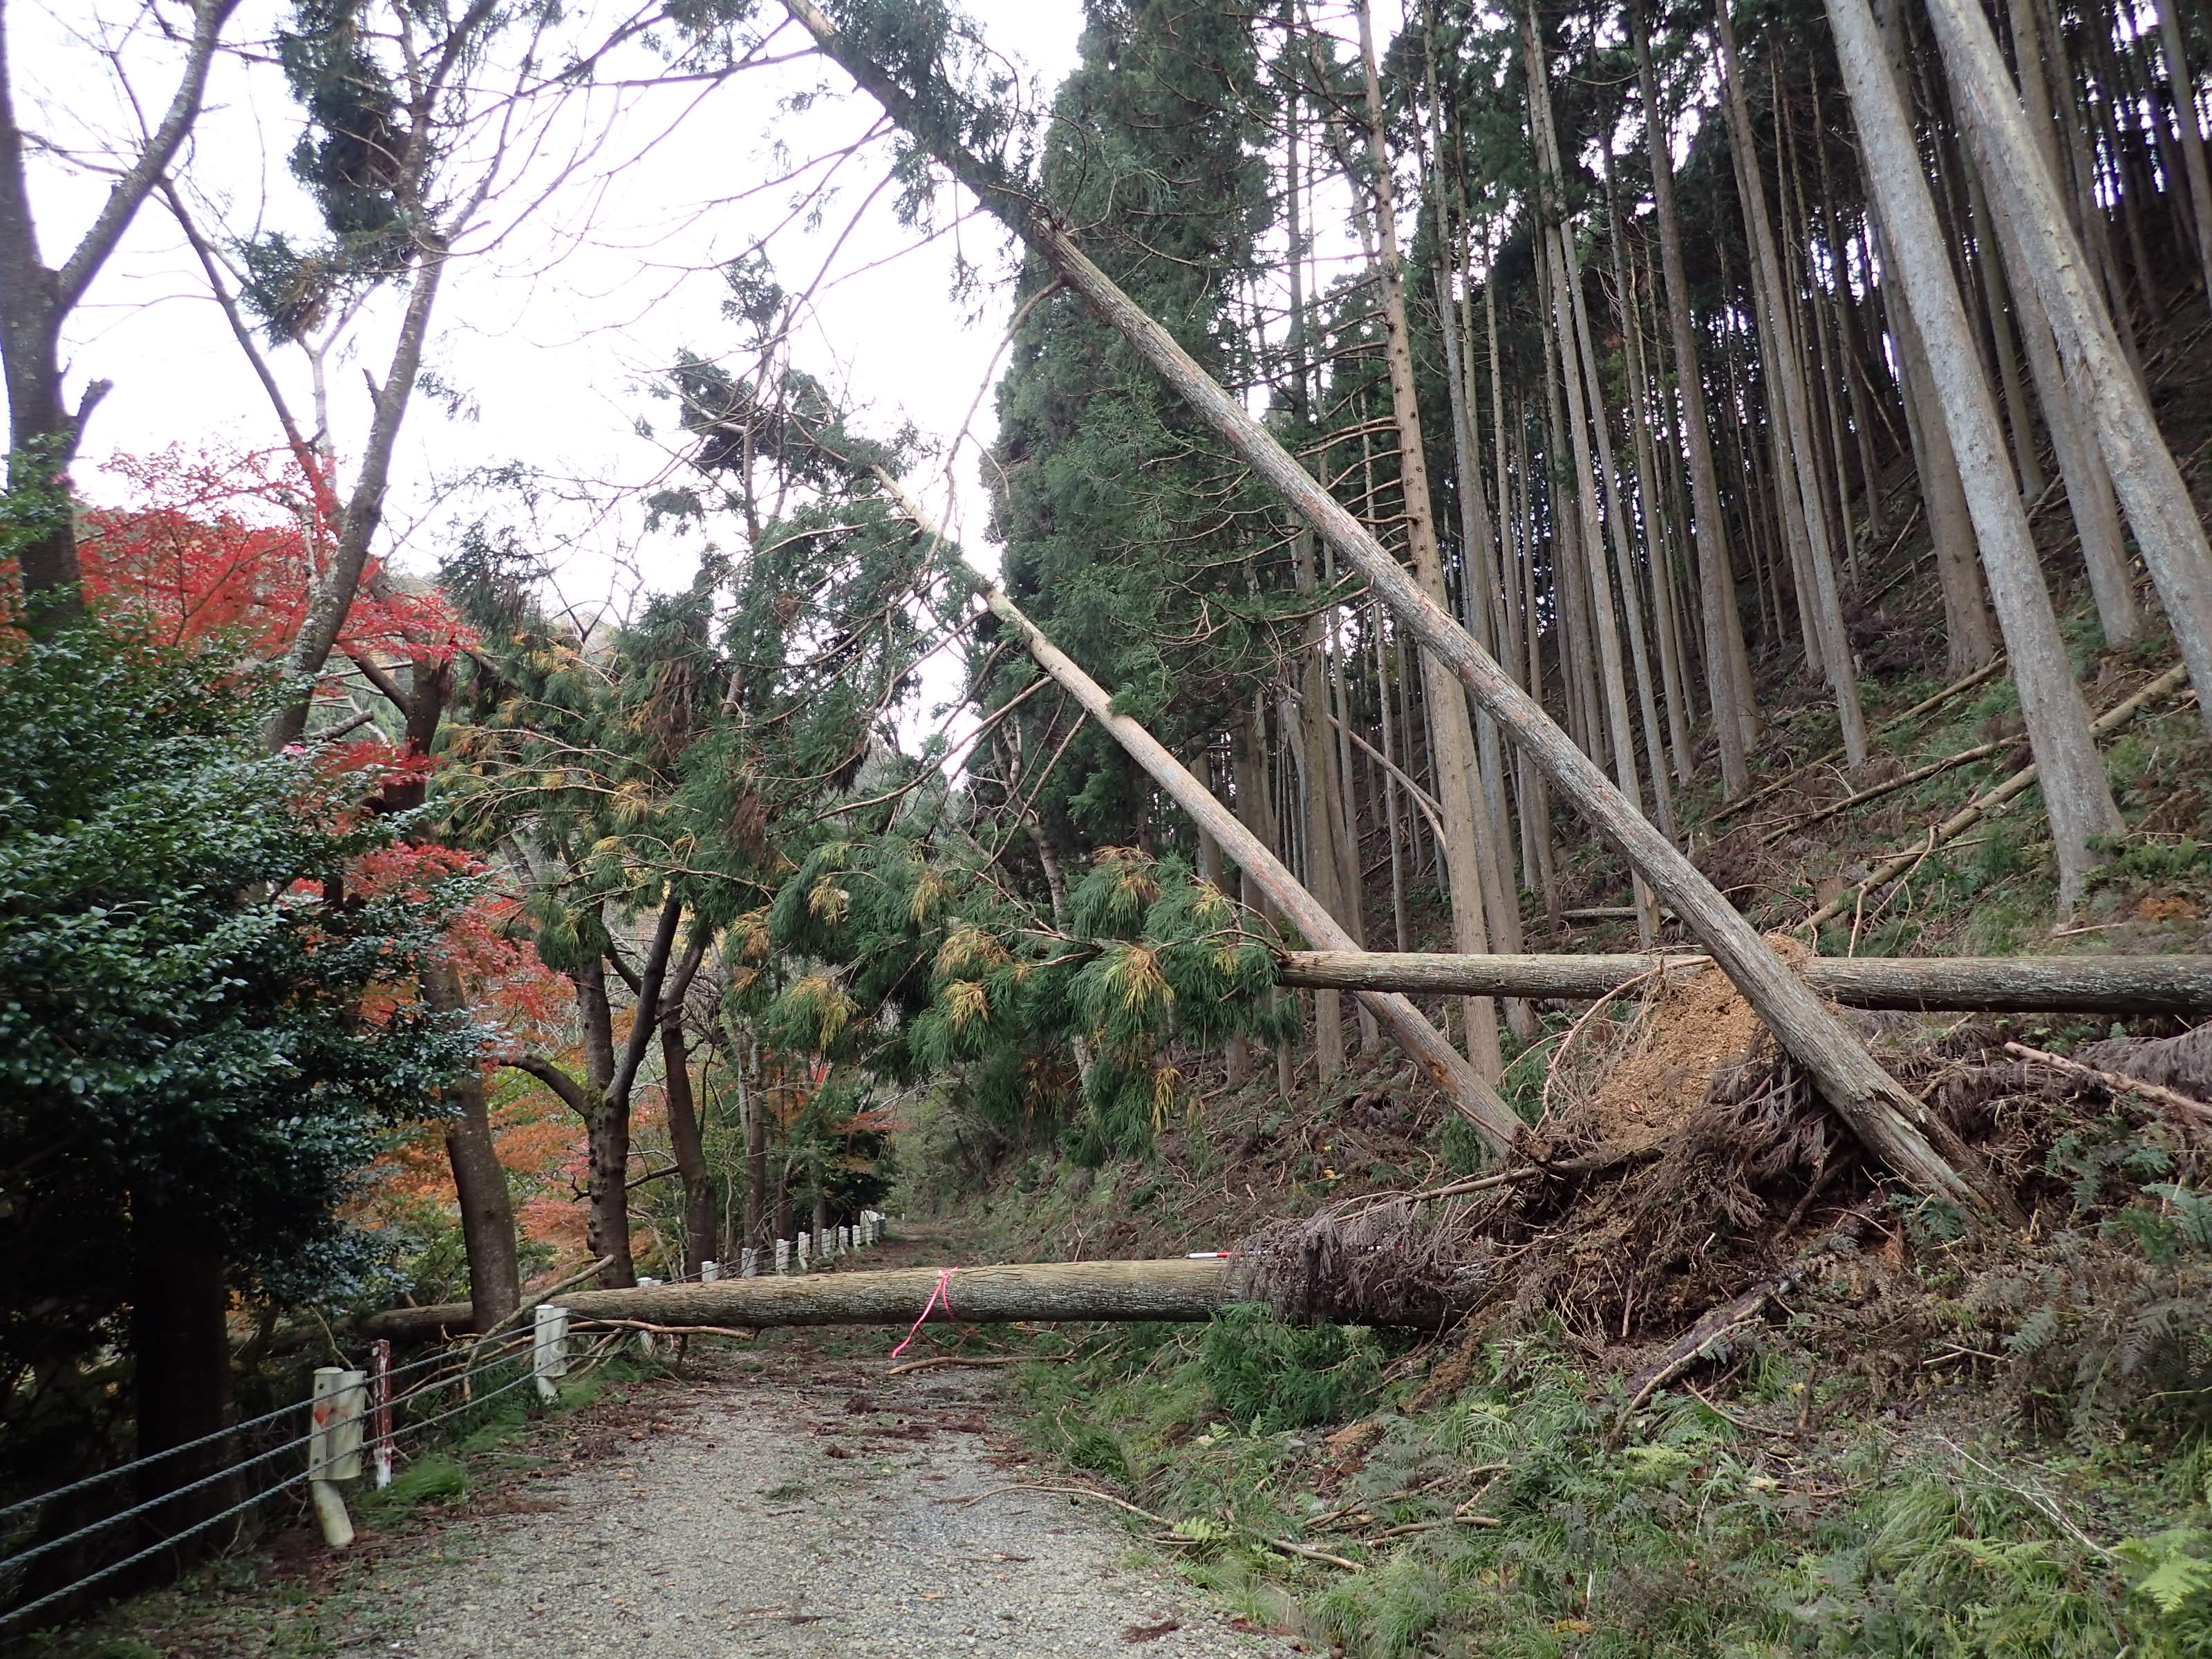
x=1580, y=730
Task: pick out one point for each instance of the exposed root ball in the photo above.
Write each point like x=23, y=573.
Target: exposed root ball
x=1395, y=1263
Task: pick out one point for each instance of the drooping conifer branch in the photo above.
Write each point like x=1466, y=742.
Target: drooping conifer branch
x=1446, y=1067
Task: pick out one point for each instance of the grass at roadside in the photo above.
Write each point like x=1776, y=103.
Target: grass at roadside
x=1499, y=1503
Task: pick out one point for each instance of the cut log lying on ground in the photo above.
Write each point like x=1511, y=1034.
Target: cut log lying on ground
x=1086, y=1290
x=2083, y=984
x=1891, y=1121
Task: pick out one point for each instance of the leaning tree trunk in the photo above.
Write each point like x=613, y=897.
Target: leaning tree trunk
x=2088, y=486
x=1890, y=1120
x=1426, y=1046
x=2074, y=791
x=2191, y=134
x=2030, y=216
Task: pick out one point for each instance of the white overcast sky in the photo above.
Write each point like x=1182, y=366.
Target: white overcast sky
x=554, y=332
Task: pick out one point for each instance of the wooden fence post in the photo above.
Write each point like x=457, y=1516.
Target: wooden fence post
x=549, y=1352
x=379, y=1409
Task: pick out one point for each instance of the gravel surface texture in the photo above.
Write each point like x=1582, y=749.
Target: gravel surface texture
x=801, y=1508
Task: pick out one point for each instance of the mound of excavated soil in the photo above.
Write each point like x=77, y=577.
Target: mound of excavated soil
x=1689, y=1029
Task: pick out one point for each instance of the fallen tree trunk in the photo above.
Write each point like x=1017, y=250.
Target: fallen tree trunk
x=1083, y=1291
x=1448, y=1069
x=1891, y=1121
x=2083, y=984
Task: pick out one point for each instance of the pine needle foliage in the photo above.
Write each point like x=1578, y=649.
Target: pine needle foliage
x=939, y=967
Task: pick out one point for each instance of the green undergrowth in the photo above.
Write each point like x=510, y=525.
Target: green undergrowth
x=1517, y=1510
x=482, y=1444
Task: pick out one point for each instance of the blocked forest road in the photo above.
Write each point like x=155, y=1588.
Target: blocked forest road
x=796, y=1507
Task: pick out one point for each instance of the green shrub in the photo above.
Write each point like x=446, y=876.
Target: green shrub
x=1269, y=1376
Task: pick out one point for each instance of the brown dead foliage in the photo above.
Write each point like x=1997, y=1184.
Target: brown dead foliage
x=1733, y=1167
x=1740, y=864
x=1647, y=1082
x=2183, y=1062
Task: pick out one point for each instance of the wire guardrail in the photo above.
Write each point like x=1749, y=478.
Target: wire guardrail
x=148, y=1461
x=463, y=1368
x=15, y=1616
x=459, y=1366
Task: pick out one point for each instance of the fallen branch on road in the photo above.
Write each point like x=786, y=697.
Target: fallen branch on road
x=2196, y=1112
x=1289, y=1546
x=996, y=1359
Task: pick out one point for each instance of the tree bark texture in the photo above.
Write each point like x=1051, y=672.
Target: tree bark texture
x=1458, y=786
x=479, y=1179
x=1727, y=661
x=1086, y=1291
x=701, y=1223
x=35, y=302
x=1785, y=363
x=2030, y=215
x=2180, y=985
x=2074, y=791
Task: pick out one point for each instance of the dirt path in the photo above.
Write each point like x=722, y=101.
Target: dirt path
x=796, y=1505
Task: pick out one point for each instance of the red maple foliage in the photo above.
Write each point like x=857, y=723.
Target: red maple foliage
x=234, y=546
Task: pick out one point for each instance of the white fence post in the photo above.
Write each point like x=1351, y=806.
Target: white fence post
x=549, y=1352
x=748, y=1262
x=644, y=1337
x=805, y=1242
x=334, y=1448
x=783, y=1256
x=709, y=1271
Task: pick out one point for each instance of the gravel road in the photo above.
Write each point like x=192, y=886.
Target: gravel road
x=796, y=1506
